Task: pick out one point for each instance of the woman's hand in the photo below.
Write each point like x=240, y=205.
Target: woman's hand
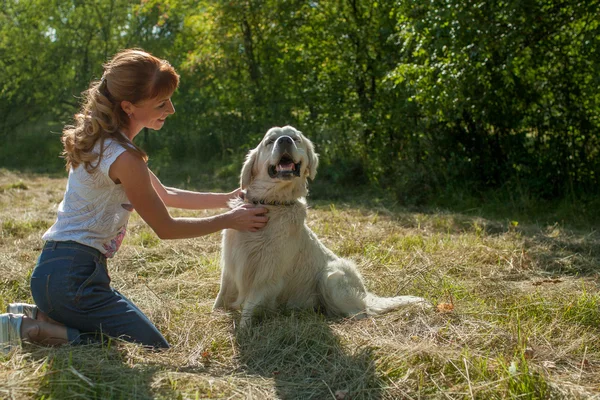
x=247, y=218
x=237, y=194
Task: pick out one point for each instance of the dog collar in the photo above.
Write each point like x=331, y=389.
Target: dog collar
x=272, y=203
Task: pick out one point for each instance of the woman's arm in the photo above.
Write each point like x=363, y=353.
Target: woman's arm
x=135, y=177
x=190, y=200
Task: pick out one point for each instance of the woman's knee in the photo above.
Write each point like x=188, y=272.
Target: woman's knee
x=147, y=334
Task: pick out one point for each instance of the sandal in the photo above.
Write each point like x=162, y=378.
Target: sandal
x=29, y=310
x=10, y=331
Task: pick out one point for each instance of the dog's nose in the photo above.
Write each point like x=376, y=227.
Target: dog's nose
x=285, y=140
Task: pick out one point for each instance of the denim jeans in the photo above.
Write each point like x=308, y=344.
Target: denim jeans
x=70, y=284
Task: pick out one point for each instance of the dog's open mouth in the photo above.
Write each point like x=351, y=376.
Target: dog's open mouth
x=286, y=168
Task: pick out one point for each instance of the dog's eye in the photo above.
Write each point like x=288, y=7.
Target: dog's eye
x=296, y=139
x=270, y=141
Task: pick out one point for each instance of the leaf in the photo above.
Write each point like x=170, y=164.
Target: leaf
x=445, y=307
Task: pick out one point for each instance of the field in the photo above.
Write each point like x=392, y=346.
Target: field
x=517, y=312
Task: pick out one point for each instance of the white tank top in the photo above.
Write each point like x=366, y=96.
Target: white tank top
x=94, y=210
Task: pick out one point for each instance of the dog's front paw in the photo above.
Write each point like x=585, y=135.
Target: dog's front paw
x=245, y=322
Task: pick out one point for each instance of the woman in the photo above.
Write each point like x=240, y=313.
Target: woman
x=108, y=179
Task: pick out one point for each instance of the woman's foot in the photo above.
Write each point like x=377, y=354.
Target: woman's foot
x=10, y=331
x=31, y=311
x=15, y=328
x=42, y=332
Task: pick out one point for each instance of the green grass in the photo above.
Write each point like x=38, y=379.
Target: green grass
x=13, y=186
x=20, y=229
x=524, y=324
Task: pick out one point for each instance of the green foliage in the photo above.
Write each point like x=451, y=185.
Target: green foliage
x=499, y=82
x=421, y=99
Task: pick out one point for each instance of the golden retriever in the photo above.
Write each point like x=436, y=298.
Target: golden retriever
x=285, y=263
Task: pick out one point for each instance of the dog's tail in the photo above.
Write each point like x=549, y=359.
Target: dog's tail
x=343, y=293
x=378, y=305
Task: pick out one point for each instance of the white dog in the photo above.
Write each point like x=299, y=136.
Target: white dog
x=285, y=263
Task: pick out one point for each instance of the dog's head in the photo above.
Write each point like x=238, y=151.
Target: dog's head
x=284, y=155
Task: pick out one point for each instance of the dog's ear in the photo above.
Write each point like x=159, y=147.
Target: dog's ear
x=246, y=175
x=313, y=159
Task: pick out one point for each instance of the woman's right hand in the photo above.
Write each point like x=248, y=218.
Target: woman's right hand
x=247, y=217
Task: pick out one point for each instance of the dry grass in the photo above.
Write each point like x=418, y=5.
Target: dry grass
x=525, y=321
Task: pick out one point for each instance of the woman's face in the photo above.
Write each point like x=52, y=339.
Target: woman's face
x=152, y=113
x=149, y=113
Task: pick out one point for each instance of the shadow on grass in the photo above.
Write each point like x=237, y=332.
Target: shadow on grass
x=93, y=372
x=306, y=360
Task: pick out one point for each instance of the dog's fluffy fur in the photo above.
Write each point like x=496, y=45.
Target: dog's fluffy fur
x=285, y=263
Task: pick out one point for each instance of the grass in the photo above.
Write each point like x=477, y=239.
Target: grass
x=521, y=316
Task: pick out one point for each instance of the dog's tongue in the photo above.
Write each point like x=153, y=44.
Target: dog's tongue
x=286, y=167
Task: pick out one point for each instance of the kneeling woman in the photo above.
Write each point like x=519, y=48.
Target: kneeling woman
x=108, y=179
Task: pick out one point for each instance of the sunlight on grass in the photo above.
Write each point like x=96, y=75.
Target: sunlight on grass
x=521, y=317
x=13, y=186
x=146, y=238
x=21, y=229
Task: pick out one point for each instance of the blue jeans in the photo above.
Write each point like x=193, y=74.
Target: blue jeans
x=70, y=284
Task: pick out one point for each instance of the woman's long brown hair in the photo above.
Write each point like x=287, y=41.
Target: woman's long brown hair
x=132, y=75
